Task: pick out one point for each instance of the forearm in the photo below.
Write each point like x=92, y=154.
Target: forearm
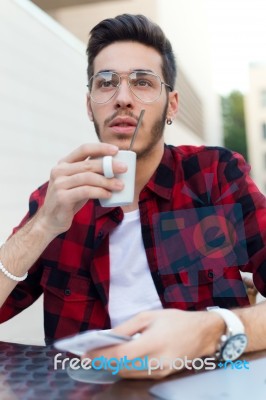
x=20, y=252
x=254, y=320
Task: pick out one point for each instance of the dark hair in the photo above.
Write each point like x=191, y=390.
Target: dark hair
x=133, y=28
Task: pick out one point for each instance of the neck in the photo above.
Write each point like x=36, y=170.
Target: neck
x=145, y=168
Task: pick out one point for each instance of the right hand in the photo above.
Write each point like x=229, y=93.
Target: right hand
x=73, y=181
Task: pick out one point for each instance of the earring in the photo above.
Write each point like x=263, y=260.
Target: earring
x=169, y=121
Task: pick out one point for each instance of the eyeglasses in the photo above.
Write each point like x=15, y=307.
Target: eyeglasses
x=146, y=86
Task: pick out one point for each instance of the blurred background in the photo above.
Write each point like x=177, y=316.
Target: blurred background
x=220, y=50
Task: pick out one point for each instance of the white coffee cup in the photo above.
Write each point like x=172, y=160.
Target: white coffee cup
x=126, y=195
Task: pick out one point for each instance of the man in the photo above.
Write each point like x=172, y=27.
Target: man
x=98, y=267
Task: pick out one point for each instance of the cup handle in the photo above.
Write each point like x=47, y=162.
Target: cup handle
x=108, y=167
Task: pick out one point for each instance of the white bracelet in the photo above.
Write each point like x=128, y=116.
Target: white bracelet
x=11, y=276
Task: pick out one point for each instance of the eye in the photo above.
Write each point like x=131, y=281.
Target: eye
x=106, y=81
x=141, y=82
x=144, y=82
x=107, y=84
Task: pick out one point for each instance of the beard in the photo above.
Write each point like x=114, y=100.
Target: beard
x=156, y=132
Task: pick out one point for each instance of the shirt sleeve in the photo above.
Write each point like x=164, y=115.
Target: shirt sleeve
x=28, y=291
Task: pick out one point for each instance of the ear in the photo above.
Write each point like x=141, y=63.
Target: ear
x=172, y=105
x=89, y=110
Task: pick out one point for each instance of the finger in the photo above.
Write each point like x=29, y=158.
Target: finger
x=135, y=324
x=143, y=346
x=88, y=179
x=82, y=193
x=90, y=150
x=67, y=169
x=89, y=165
x=64, y=169
x=139, y=347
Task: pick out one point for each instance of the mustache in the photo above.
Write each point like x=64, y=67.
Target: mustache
x=120, y=114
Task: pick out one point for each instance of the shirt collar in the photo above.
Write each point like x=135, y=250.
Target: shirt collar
x=162, y=181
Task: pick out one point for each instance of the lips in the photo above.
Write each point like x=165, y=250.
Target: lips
x=123, y=121
x=125, y=125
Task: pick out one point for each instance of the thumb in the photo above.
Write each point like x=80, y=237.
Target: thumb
x=134, y=325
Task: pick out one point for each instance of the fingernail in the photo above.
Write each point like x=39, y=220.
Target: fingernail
x=118, y=184
x=121, y=166
x=113, y=148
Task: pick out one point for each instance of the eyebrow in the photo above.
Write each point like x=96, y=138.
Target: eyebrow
x=132, y=70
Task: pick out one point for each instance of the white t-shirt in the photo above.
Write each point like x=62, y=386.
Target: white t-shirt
x=132, y=289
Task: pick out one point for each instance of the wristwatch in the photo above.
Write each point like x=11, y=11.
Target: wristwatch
x=234, y=342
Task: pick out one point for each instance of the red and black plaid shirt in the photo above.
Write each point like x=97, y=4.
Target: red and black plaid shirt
x=203, y=220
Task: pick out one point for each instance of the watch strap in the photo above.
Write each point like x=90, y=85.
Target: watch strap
x=232, y=321
x=235, y=329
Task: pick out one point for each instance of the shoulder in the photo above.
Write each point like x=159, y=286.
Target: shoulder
x=202, y=157
x=188, y=151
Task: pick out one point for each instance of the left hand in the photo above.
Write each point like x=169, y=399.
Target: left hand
x=166, y=334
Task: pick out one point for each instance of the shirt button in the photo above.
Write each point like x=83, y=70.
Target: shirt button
x=100, y=235
x=210, y=274
x=67, y=292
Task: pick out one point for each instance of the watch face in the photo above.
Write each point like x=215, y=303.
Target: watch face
x=234, y=347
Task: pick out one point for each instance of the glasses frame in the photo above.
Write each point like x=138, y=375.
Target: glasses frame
x=120, y=76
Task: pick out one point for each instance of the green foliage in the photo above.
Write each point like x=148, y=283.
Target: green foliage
x=234, y=122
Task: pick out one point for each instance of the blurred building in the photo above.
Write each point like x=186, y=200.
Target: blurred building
x=42, y=100
x=255, y=111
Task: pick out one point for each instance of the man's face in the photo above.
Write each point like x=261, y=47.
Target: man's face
x=115, y=120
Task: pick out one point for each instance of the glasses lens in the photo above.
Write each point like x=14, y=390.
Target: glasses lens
x=103, y=86
x=146, y=86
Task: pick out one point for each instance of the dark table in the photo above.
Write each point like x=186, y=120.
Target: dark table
x=27, y=373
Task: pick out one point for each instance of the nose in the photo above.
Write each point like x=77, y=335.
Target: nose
x=124, y=98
